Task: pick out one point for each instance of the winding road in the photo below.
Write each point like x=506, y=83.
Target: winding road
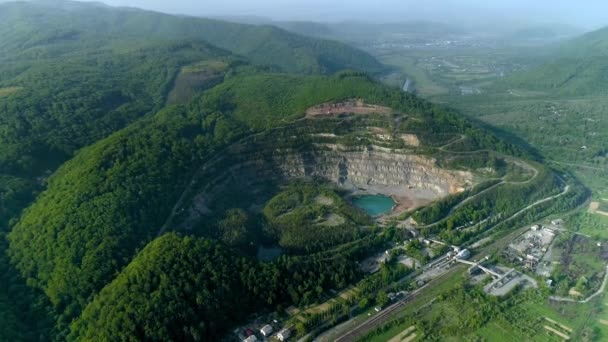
x=602, y=288
x=387, y=313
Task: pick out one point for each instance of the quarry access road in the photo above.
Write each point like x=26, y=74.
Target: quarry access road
x=443, y=148
x=503, y=181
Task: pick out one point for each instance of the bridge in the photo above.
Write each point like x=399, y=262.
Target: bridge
x=481, y=267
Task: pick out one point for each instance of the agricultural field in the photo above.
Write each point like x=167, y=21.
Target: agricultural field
x=590, y=224
x=437, y=73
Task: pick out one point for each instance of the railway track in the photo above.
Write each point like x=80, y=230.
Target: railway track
x=386, y=314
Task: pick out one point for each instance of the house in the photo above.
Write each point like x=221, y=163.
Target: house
x=266, y=330
x=557, y=222
x=414, y=233
x=284, y=334
x=251, y=338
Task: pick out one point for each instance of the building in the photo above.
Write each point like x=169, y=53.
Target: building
x=251, y=338
x=284, y=334
x=267, y=330
x=463, y=254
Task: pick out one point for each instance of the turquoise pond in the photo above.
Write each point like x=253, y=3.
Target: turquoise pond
x=374, y=205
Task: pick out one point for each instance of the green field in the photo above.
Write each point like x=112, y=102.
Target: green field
x=424, y=84
x=591, y=224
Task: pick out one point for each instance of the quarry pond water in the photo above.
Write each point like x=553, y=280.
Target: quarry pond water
x=374, y=205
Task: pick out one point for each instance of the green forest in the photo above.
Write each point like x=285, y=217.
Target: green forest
x=115, y=122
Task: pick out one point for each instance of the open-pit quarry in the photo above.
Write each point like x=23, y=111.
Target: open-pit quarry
x=361, y=153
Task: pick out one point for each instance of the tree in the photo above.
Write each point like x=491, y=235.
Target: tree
x=382, y=298
x=363, y=304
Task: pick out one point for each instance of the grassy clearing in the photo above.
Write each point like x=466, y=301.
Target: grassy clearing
x=591, y=224
x=214, y=66
x=601, y=318
x=499, y=331
x=7, y=91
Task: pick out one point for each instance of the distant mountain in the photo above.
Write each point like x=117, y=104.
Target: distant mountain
x=545, y=33
x=61, y=21
x=592, y=44
x=578, y=67
x=358, y=32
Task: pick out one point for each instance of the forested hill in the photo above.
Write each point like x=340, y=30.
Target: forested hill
x=108, y=202
x=577, y=67
x=50, y=108
x=60, y=23
x=72, y=73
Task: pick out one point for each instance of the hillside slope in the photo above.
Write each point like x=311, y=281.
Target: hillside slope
x=113, y=198
x=59, y=23
x=106, y=198
x=72, y=73
x=578, y=67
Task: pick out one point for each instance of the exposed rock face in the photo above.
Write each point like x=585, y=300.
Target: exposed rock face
x=382, y=170
x=413, y=180
x=410, y=139
x=369, y=168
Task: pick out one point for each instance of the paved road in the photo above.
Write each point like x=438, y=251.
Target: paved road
x=602, y=288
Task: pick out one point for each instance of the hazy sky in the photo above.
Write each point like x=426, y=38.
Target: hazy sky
x=584, y=13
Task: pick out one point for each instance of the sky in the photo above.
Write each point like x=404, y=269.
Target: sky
x=582, y=13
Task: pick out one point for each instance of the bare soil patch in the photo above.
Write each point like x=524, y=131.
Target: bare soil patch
x=557, y=332
x=332, y=220
x=411, y=139
x=594, y=206
x=358, y=107
x=405, y=335
x=324, y=200
x=559, y=324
